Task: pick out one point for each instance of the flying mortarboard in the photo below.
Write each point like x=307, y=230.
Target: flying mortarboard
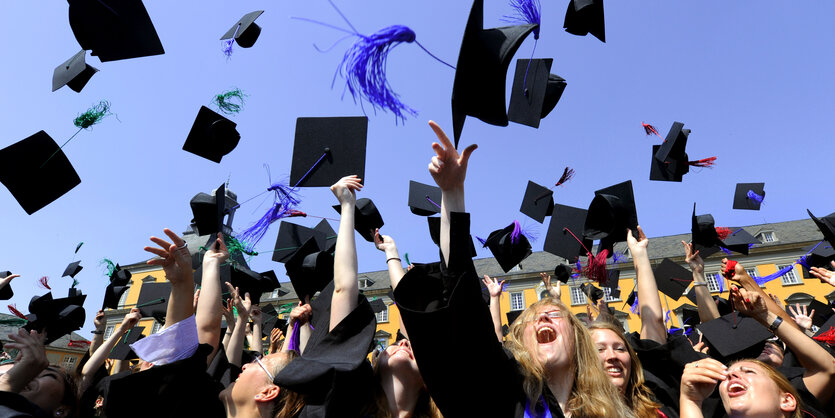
x=592, y=292
x=631, y=298
x=212, y=135
x=377, y=305
x=112, y=293
x=613, y=279
x=535, y=91
x=33, y=177
x=72, y=269
x=749, y=196
x=564, y=231
x=327, y=149
x=122, y=350
x=481, y=73
x=245, y=31
x=674, y=144
x=820, y=256
x=672, y=279
x=153, y=300
x=366, y=218
x=330, y=235
x=734, y=336
x=612, y=211
x=670, y=170
x=739, y=240
x=424, y=200
x=290, y=239
x=56, y=317
x=6, y=292
x=584, y=17
x=826, y=225
x=74, y=73
x=562, y=272
x=114, y=30
x=309, y=269
x=248, y=281
x=509, y=246
x=538, y=202
x=435, y=233
x=209, y=211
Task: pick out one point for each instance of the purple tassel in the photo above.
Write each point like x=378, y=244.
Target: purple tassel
x=526, y=11
x=618, y=258
x=482, y=241
x=720, y=281
x=578, y=267
x=227, y=44
x=295, y=341
x=285, y=201
x=802, y=261
x=364, y=69
x=634, y=307
x=518, y=230
x=725, y=250
x=667, y=318
x=755, y=197
x=779, y=273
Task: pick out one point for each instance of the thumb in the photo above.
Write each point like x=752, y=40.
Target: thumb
x=465, y=156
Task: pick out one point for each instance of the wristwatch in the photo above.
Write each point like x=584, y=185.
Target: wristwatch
x=775, y=324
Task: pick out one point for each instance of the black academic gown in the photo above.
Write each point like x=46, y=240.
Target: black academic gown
x=13, y=405
x=465, y=368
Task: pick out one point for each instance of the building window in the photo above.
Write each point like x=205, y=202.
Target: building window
x=767, y=236
x=713, y=282
x=791, y=277
x=517, y=301
x=383, y=316
x=108, y=331
x=753, y=272
x=68, y=363
x=365, y=283
x=577, y=296
x=156, y=327
x=608, y=292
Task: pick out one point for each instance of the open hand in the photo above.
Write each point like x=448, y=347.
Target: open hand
x=494, y=287
x=174, y=259
x=801, y=316
x=823, y=274
x=637, y=247
x=554, y=291
x=697, y=265
x=345, y=189
x=700, y=379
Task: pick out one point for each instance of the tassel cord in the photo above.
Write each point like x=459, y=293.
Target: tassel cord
x=525, y=81
x=436, y=58
x=61, y=147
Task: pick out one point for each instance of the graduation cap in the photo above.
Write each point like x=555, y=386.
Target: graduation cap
x=114, y=30
x=248, y=281
x=55, y=317
x=612, y=280
x=674, y=144
x=690, y=316
x=739, y=241
x=563, y=272
x=481, y=72
x=245, y=31
x=827, y=328
x=72, y=269
x=670, y=170
x=309, y=269
x=672, y=279
x=377, y=305
x=435, y=234
x=330, y=235
x=584, y=17
x=538, y=202
x=826, y=225
x=749, y=196
x=535, y=91
x=327, y=149
x=366, y=218
x=122, y=350
x=592, y=292
x=566, y=227
x=424, y=200
x=36, y=172
x=120, y=276
x=703, y=234
x=6, y=291
x=291, y=237
x=112, y=293
x=153, y=300
x=512, y=316
x=208, y=211
x=820, y=256
x=612, y=211
x=509, y=246
x=734, y=336
x=631, y=299
x=212, y=135
x=271, y=320
x=73, y=73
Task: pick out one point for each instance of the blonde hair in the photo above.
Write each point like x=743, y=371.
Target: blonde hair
x=288, y=403
x=783, y=384
x=592, y=394
x=637, y=395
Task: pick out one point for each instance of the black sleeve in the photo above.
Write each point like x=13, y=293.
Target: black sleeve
x=459, y=357
x=14, y=405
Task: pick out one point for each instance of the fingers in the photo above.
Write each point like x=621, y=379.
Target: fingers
x=441, y=135
x=641, y=235
x=157, y=251
x=174, y=237
x=812, y=314
x=161, y=242
x=465, y=156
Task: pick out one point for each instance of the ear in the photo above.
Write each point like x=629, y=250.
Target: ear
x=62, y=412
x=268, y=394
x=787, y=402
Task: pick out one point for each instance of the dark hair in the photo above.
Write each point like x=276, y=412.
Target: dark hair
x=71, y=395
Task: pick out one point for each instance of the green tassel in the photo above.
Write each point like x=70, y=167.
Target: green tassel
x=74, y=283
x=111, y=266
x=78, y=247
x=236, y=246
x=15, y=322
x=230, y=102
x=286, y=308
x=93, y=115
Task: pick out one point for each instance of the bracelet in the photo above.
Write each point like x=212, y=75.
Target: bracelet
x=699, y=283
x=393, y=258
x=775, y=324
x=98, y=332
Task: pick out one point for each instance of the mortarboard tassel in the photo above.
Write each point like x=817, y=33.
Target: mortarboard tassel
x=720, y=281
x=618, y=257
x=230, y=102
x=482, y=241
x=77, y=247
x=723, y=232
x=74, y=283
x=17, y=313
x=634, y=307
x=755, y=197
x=78, y=343
x=596, y=268
x=85, y=120
x=704, y=162
x=227, y=44
x=295, y=341
x=649, y=129
x=406, y=257
x=111, y=266
x=567, y=175
x=519, y=231
x=284, y=202
x=779, y=273
x=526, y=12
x=44, y=282
x=827, y=337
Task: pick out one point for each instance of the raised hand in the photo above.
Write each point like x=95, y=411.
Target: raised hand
x=700, y=346
x=448, y=167
x=384, y=243
x=30, y=362
x=255, y=314
x=700, y=378
x=823, y=274
x=749, y=303
x=217, y=252
x=637, y=247
x=494, y=287
x=242, y=305
x=345, y=189
x=300, y=314
x=174, y=259
x=554, y=291
x=131, y=319
x=801, y=316
x=697, y=265
x=99, y=321
x=229, y=315
x=275, y=340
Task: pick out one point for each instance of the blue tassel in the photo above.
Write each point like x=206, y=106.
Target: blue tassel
x=482, y=241
x=779, y=273
x=618, y=258
x=519, y=230
x=364, y=69
x=725, y=250
x=755, y=197
x=526, y=11
x=721, y=282
x=286, y=199
x=634, y=307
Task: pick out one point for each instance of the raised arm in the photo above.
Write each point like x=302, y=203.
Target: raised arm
x=707, y=308
x=824, y=275
x=301, y=315
x=255, y=316
x=495, y=289
x=229, y=315
x=236, y=343
x=175, y=261
x=100, y=355
x=386, y=244
x=553, y=291
x=209, y=306
x=649, y=303
x=98, y=334
x=741, y=277
x=346, y=288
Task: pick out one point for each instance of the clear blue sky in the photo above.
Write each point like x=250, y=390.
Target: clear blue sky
x=753, y=80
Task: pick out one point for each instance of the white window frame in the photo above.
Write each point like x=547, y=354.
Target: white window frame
x=608, y=295
x=767, y=237
x=156, y=327
x=577, y=296
x=382, y=316
x=517, y=301
x=753, y=272
x=69, y=362
x=790, y=278
x=108, y=330
x=713, y=282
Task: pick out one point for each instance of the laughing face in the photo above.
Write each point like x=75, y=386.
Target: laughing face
x=614, y=355
x=749, y=391
x=549, y=338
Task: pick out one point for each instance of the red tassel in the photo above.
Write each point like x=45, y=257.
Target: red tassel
x=44, y=281
x=293, y=213
x=730, y=267
x=596, y=268
x=704, y=162
x=78, y=343
x=649, y=129
x=17, y=313
x=723, y=232
x=567, y=174
x=827, y=337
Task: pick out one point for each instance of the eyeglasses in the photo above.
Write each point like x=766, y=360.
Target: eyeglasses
x=264, y=368
x=551, y=314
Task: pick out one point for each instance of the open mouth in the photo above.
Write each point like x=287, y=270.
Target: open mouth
x=736, y=389
x=545, y=334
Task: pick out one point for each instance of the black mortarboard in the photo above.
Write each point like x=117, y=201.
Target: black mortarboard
x=703, y=234
x=72, y=269
x=631, y=299
x=120, y=276
x=56, y=317
x=672, y=279
x=826, y=225
x=366, y=218
x=291, y=237
x=672, y=149
x=612, y=211
x=723, y=305
x=734, y=336
x=327, y=149
x=508, y=251
x=563, y=272
x=73, y=73
x=820, y=256
x=271, y=320
x=566, y=227
x=112, y=293
x=612, y=279
x=309, y=269
x=742, y=200
x=269, y=280
x=592, y=292
x=377, y=305
x=614, y=293
x=822, y=312
x=6, y=291
x=670, y=170
x=691, y=295
x=122, y=350
x=435, y=233
x=827, y=326
x=245, y=31
x=153, y=300
x=689, y=315
x=209, y=211
x=739, y=240
x=114, y=30
x=535, y=91
x=250, y=282
x=424, y=200
x=212, y=135
x=584, y=17
x=481, y=73
x=330, y=235
x=538, y=202
x=36, y=171
x=512, y=316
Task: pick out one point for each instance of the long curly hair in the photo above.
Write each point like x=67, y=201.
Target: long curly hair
x=637, y=395
x=592, y=394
